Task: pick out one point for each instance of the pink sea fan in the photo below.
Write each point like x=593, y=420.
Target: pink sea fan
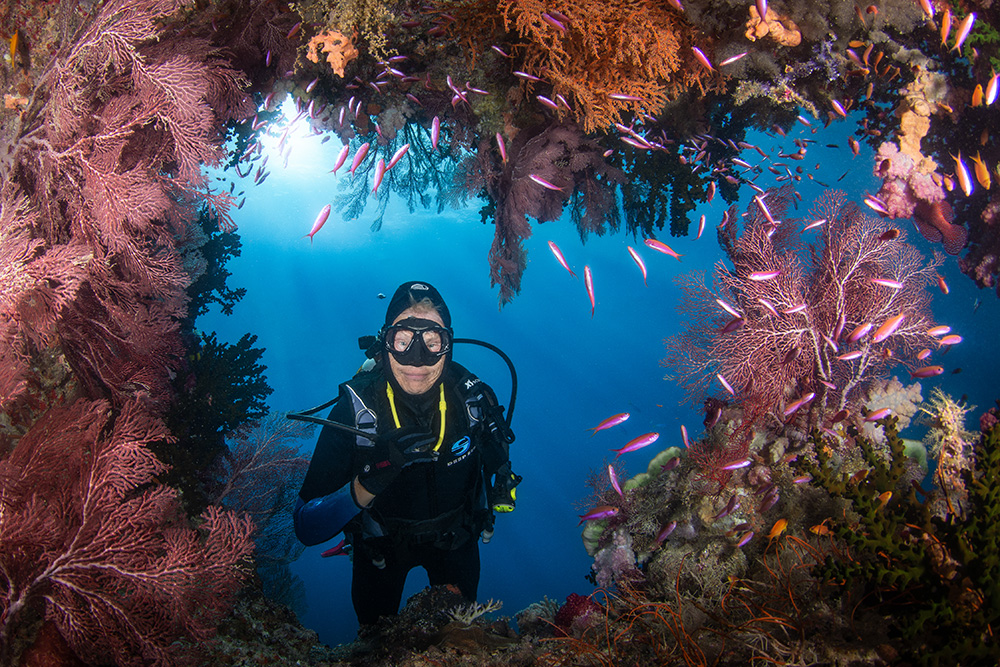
x=797, y=325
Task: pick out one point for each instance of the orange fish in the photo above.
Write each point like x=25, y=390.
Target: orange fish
x=945, y=26
x=778, y=528
x=977, y=95
x=821, y=529
x=982, y=172
x=883, y=499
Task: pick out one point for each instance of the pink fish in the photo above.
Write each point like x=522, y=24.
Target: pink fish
x=711, y=192
x=502, y=147
x=850, y=356
x=860, y=332
x=888, y=328
x=878, y=414
x=728, y=308
x=923, y=354
x=624, y=97
x=684, y=436
x=736, y=465
x=614, y=480
x=762, y=9
x=665, y=532
x=524, y=75
x=761, y=276
x=547, y=102
x=659, y=246
x=927, y=372
x=637, y=443
x=725, y=383
x=588, y=281
x=379, y=173
x=397, y=156
x=611, y=421
x=320, y=221
x=962, y=173
x=702, y=59
x=559, y=257
x=599, y=512
x=746, y=537
x=500, y=51
x=545, y=184
x=839, y=108
x=359, y=157
x=795, y=405
x=435, y=132
x=886, y=282
x=951, y=339
x=939, y=330
x=701, y=225
x=642, y=265
x=768, y=305
x=731, y=60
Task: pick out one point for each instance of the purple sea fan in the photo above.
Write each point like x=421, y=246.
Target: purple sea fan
x=797, y=324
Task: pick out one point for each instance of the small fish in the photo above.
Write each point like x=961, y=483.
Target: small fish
x=545, y=184
x=701, y=226
x=359, y=157
x=731, y=60
x=850, y=356
x=379, y=175
x=702, y=59
x=659, y=246
x=746, y=537
x=711, y=192
x=665, y=532
x=551, y=20
x=320, y=221
x=762, y=9
x=778, y=528
x=769, y=501
x=611, y=421
x=588, y=281
x=397, y=156
x=435, y=132
x=599, y=512
x=637, y=443
x=839, y=108
x=500, y=51
x=802, y=479
x=991, y=90
x=560, y=258
x=889, y=234
x=640, y=263
x=964, y=28
x=886, y=282
x=878, y=414
x=888, y=328
x=736, y=465
x=962, y=174
x=502, y=147
x=859, y=332
x=728, y=308
x=761, y=276
x=547, y=102
x=923, y=354
x=614, y=480
x=671, y=464
x=883, y=498
x=940, y=330
x=951, y=339
x=725, y=384
x=977, y=95
x=795, y=405
x=982, y=172
x=524, y=75
x=684, y=436
x=928, y=8
x=622, y=97
x=927, y=372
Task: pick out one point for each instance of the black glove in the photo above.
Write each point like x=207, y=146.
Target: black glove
x=392, y=453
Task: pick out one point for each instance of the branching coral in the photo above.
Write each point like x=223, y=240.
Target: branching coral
x=925, y=571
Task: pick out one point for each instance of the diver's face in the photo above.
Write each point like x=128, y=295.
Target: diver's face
x=417, y=379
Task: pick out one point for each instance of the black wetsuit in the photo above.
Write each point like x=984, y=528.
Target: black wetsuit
x=432, y=513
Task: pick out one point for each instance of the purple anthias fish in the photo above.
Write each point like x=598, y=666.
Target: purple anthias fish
x=637, y=443
x=600, y=512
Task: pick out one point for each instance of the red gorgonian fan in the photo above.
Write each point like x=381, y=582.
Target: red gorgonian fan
x=792, y=319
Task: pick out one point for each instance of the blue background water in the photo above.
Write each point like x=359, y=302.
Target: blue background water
x=308, y=304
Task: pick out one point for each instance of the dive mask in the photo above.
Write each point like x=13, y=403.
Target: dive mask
x=417, y=342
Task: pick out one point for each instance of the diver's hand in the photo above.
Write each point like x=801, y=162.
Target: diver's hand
x=392, y=453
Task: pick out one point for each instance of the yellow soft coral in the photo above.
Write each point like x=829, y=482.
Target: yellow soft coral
x=781, y=29
x=339, y=49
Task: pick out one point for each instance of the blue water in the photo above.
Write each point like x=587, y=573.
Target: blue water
x=308, y=304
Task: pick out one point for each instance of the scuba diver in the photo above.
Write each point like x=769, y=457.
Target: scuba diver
x=412, y=461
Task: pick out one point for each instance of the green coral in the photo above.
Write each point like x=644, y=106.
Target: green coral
x=938, y=578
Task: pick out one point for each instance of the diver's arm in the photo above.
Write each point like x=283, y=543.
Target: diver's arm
x=361, y=495
x=320, y=519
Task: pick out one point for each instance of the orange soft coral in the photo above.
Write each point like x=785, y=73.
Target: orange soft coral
x=339, y=49
x=779, y=28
